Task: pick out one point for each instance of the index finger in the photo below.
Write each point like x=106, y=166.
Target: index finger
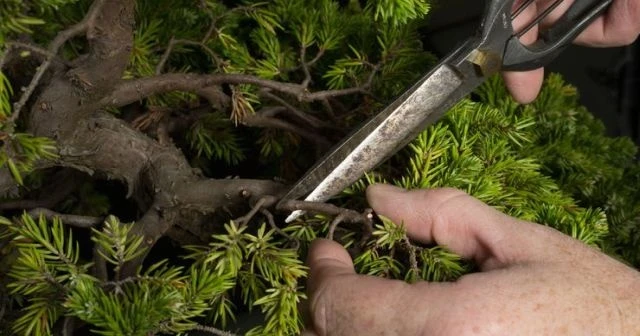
x=466, y=226
x=619, y=26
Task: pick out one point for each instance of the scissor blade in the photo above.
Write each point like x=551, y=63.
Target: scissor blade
x=389, y=130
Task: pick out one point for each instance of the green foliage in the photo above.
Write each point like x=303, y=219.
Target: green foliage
x=115, y=244
x=46, y=267
x=52, y=281
x=212, y=137
x=13, y=19
x=488, y=147
x=5, y=95
x=547, y=162
x=160, y=300
x=398, y=11
x=20, y=151
x=343, y=48
x=596, y=170
x=269, y=275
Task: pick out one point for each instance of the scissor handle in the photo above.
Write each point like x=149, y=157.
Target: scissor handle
x=518, y=57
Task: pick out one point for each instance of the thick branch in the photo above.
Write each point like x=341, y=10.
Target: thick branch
x=178, y=195
x=110, y=38
x=208, y=194
x=52, y=50
x=159, y=176
x=130, y=91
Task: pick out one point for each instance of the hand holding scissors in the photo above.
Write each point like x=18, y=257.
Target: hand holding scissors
x=496, y=47
x=534, y=280
x=618, y=27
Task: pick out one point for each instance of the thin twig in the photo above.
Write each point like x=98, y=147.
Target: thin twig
x=244, y=220
x=21, y=204
x=165, y=56
x=413, y=258
x=68, y=326
x=351, y=216
x=162, y=132
x=342, y=215
x=213, y=330
x=273, y=225
x=311, y=120
x=119, y=283
x=309, y=64
x=272, y=111
x=215, y=19
x=318, y=56
x=73, y=220
x=36, y=49
x=305, y=67
x=173, y=42
x=53, y=49
x=334, y=224
x=329, y=109
x=259, y=120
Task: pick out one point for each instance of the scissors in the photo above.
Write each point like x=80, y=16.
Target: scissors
x=495, y=47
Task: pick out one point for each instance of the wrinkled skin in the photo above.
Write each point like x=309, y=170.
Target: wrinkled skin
x=533, y=280
x=619, y=26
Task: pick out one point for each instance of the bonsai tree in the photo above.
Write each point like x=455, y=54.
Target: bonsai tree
x=145, y=145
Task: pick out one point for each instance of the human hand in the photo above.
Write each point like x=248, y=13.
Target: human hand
x=619, y=26
x=533, y=280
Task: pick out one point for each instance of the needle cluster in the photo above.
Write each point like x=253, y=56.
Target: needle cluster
x=124, y=127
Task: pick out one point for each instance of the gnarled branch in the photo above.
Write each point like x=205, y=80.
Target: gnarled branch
x=130, y=91
x=52, y=50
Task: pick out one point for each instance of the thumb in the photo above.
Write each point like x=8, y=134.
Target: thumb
x=327, y=259
x=463, y=224
x=342, y=302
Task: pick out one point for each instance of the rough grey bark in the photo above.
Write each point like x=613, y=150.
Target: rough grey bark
x=67, y=106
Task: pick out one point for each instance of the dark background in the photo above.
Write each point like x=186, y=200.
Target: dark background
x=607, y=79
